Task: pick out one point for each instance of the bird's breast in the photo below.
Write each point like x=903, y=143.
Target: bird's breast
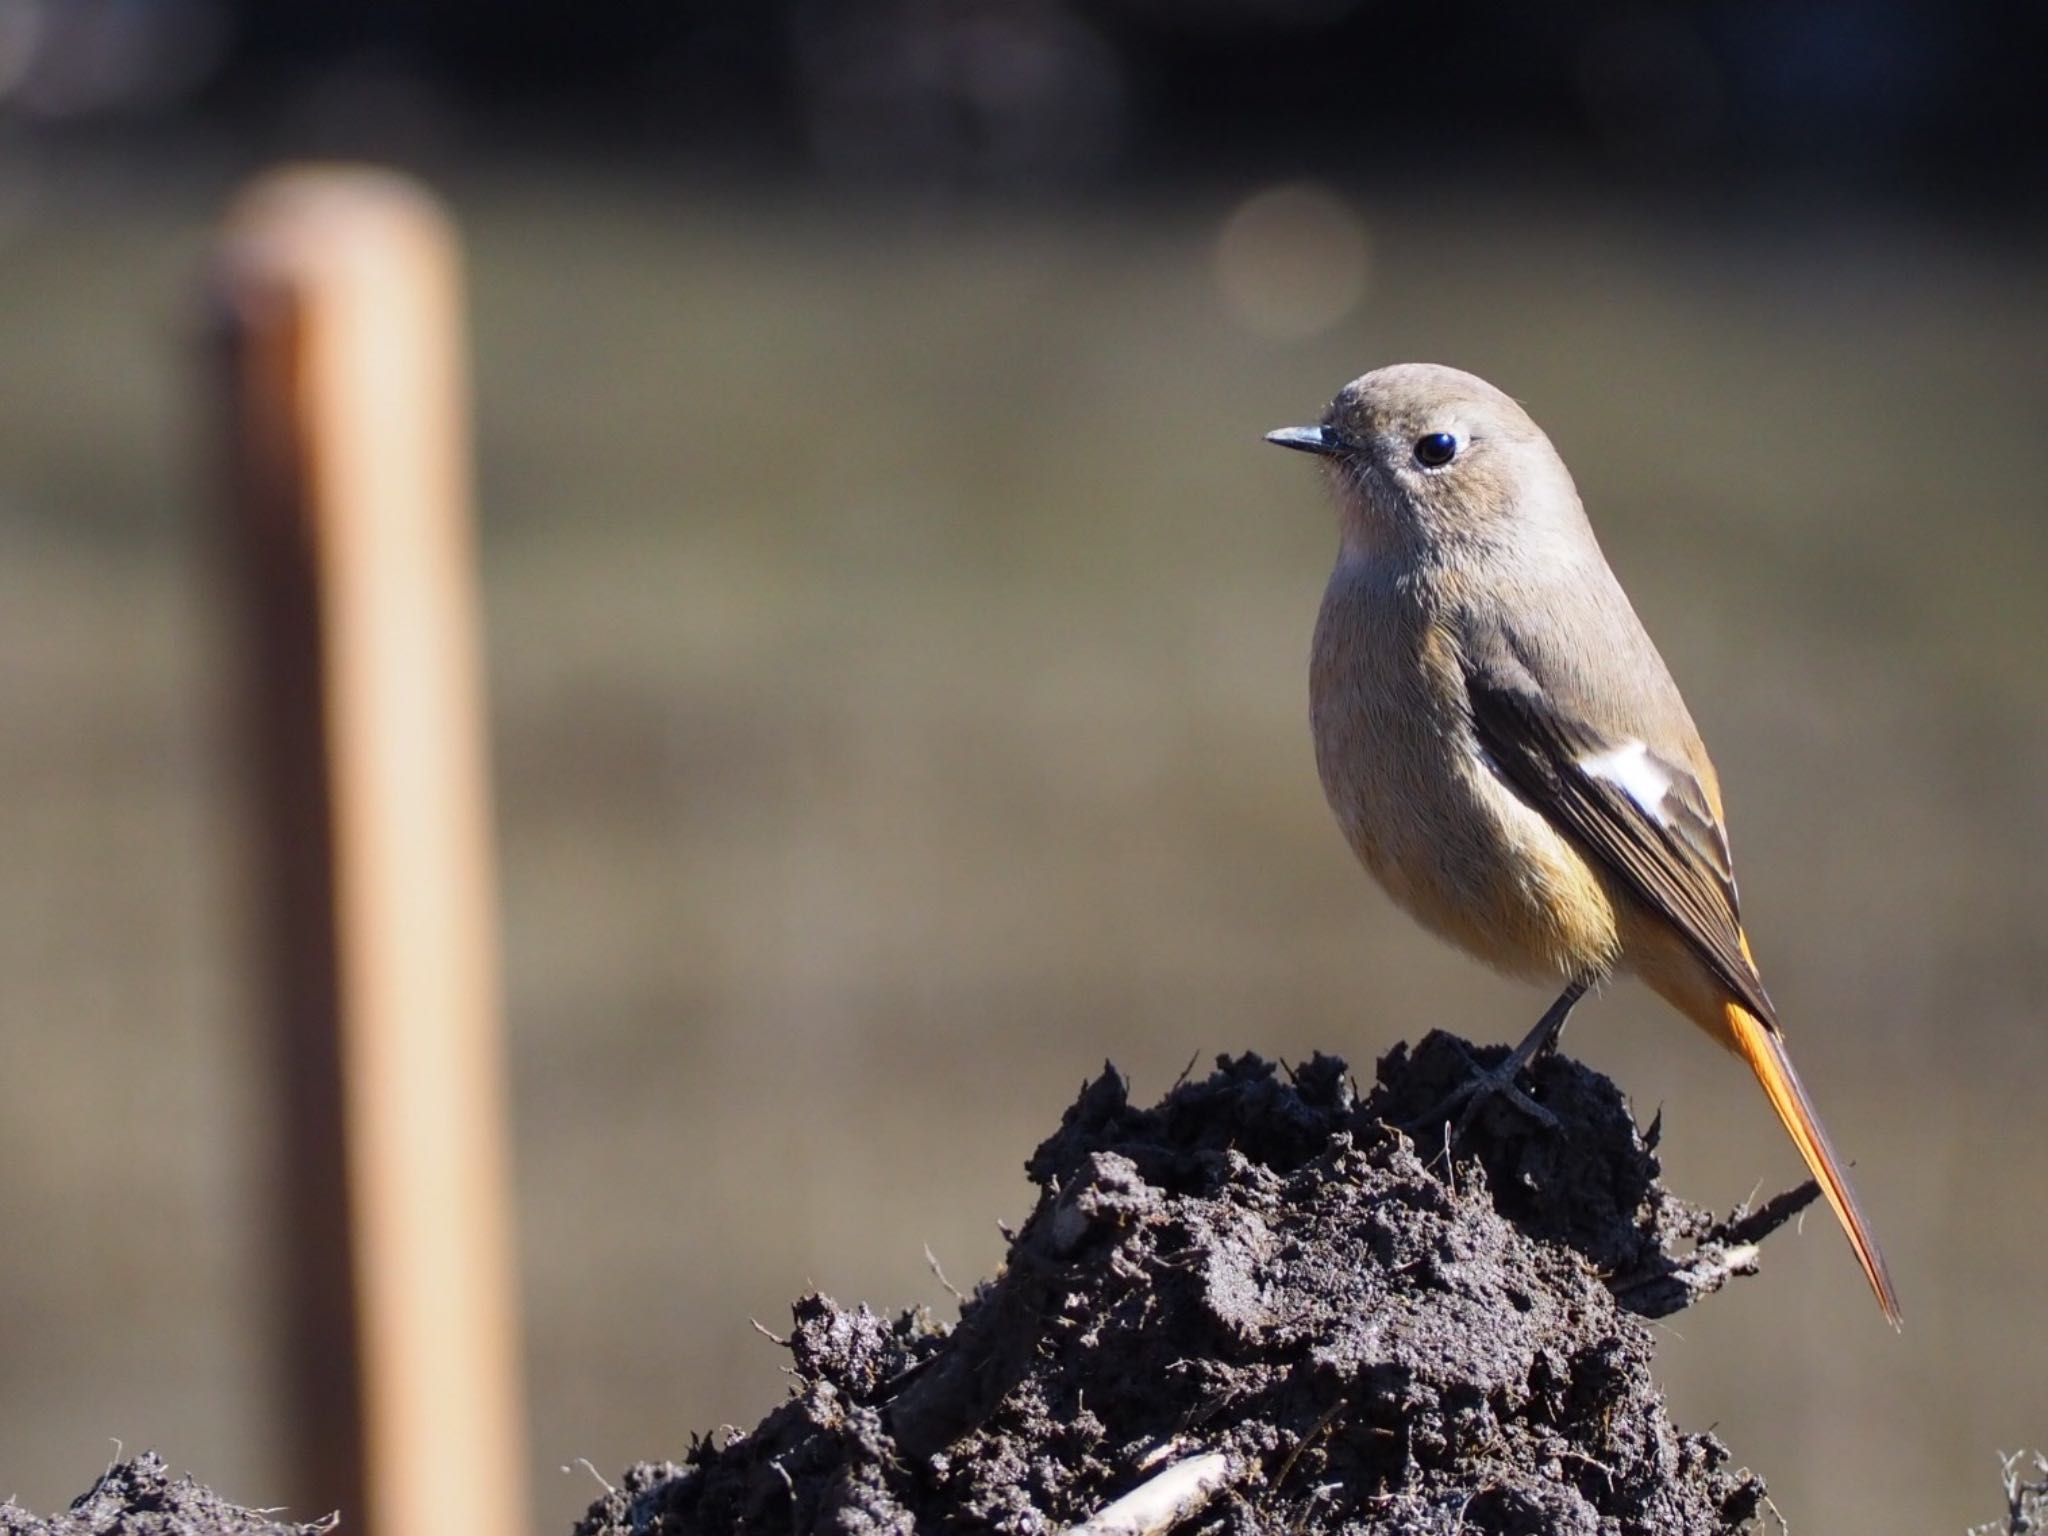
x=1426, y=814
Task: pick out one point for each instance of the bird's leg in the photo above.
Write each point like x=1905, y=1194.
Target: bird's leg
x=1540, y=1041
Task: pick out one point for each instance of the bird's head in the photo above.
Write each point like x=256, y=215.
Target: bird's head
x=1427, y=459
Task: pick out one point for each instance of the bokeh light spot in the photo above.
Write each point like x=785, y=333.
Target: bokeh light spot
x=1292, y=261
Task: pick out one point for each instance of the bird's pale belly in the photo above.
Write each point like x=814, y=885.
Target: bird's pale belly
x=1457, y=849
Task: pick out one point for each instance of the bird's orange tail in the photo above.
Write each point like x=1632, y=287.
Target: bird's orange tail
x=1764, y=1049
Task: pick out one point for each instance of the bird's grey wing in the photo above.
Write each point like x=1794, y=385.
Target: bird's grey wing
x=1644, y=817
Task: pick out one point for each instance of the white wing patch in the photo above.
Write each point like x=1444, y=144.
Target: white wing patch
x=1631, y=769
x=1670, y=798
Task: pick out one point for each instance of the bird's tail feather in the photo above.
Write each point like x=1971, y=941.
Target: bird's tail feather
x=1764, y=1049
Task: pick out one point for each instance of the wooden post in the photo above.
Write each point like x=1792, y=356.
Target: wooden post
x=338, y=291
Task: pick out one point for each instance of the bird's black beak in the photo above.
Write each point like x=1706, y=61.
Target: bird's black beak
x=1306, y=439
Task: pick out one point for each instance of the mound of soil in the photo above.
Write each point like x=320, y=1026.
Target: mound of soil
x=1259, y=1307
x=141, y=1498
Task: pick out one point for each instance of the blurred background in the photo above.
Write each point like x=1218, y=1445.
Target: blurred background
x=897, y=637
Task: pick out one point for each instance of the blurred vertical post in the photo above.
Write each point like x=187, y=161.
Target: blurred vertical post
x=338, y=295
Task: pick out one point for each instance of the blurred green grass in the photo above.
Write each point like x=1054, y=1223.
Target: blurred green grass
x=897, y=637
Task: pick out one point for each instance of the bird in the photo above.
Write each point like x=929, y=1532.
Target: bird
x=1506, y=751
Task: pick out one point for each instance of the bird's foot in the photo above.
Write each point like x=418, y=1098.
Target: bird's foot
x=1485, y=1083
x=1499, y=1082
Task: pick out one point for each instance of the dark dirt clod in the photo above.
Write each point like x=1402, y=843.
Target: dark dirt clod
x=1260, y=1267
x=141, y=1498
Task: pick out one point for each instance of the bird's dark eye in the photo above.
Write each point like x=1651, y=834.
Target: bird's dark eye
x=1435, y=449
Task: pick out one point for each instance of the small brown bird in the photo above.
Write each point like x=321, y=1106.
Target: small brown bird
x=1502, y=744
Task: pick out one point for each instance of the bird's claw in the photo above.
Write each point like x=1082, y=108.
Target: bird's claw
x=1485, y=1083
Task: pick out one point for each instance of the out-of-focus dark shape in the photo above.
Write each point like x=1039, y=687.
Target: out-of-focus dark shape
x=1651, y=85
x=83, y=58
x=1861, y=82
x=377, y=106
x=1230, y=17
x=1884, y=96
x=990, y=89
